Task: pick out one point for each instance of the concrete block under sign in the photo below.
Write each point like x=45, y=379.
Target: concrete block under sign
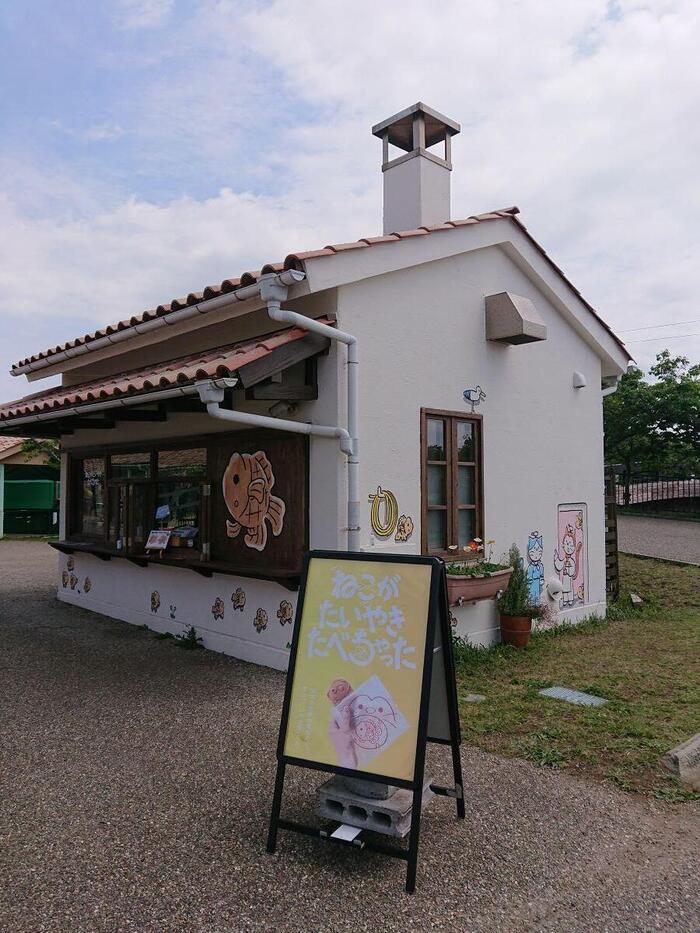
x=366, y=788
x=391, y=817
x=684, y=762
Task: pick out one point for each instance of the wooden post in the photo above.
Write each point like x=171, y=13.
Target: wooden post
x=2, y=499
x=612, y=569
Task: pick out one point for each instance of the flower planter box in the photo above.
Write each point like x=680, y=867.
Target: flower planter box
x=462, y=589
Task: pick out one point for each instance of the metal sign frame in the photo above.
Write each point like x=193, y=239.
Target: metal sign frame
x=437, y=623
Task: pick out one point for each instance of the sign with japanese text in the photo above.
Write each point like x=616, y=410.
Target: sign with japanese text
x=357, y=674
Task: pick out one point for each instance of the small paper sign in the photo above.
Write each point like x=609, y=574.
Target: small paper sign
x=158, y=539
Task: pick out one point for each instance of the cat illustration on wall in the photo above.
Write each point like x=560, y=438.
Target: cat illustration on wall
x=535, y=567
x=570, y=556
x=404, y=528
x=238, y=598
x=247, y=488
x=260, y=620
x=285, y=612
x=155, y=601
x=217, y=610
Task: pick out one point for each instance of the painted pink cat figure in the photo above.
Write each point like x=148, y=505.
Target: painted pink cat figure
x=568, y=565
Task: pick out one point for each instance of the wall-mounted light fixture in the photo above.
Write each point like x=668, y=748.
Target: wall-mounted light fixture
x=580, y=381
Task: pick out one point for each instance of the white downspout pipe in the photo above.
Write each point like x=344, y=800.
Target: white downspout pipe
x=273, y=295
x=211, y=392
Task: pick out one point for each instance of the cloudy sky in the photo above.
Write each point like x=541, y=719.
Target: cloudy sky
x=149, y=147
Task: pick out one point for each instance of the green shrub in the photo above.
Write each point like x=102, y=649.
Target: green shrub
x=515, y=600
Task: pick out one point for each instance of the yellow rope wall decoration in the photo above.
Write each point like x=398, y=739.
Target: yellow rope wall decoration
x=383, y=525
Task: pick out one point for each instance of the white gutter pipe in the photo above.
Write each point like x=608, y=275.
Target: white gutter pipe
x=273, y=295
x=88, y=408
x=211, y=392
x=285, y=279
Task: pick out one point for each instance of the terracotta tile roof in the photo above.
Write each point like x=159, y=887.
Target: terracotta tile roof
x=7, y=442
x=296, y=261
x=211, y=364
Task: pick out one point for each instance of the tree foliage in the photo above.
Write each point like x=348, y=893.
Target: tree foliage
x=655, y=420
x=36, y=447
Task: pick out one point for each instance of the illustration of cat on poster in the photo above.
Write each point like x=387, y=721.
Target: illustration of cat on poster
x=570, y=556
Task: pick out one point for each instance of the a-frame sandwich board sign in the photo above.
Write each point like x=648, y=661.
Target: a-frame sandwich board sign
x=371, y=680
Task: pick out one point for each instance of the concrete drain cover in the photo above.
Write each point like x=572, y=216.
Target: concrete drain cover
x=573, y=696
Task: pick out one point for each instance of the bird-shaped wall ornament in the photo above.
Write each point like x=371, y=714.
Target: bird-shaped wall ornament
x=474, y=396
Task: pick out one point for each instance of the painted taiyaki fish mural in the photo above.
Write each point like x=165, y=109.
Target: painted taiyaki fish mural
x=247, y=487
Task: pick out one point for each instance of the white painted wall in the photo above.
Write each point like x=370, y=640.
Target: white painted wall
x=120, y=589
x=421, y=338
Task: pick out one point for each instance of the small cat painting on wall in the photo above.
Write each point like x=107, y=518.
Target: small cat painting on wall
x=571, y=554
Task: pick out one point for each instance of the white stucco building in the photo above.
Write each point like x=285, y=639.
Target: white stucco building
x=464, y=399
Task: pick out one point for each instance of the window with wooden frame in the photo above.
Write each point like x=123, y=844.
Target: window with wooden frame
x=451, y=482
x=235, y=502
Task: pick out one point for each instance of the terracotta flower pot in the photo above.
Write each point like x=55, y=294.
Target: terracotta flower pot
x=470, y=589
x=515, y=630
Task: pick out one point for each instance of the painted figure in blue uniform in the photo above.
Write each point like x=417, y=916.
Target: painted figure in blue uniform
x=535, y=567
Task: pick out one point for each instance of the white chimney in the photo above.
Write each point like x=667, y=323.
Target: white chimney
x=416, y=184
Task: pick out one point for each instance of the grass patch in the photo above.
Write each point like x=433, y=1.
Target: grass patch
x=644, y=660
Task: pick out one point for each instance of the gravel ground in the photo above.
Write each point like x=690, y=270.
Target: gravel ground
x=659, y=537
x=136, y=781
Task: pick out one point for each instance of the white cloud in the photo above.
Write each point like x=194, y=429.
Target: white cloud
x=583, y=113
x=102, y=132
x=142, y=14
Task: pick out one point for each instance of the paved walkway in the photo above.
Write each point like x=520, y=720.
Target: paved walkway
x=659, y=537
x=136, y=780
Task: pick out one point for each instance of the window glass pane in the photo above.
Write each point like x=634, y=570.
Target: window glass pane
x=437, y=530
x=138, y=517
x=436, y=439
x=177, y=506
x=437, y=487
x=466, y=525
x=131, y=466
x=465, y=441
x=92, y=516
x=117, y=516
x=465, y=485
x=191, y=462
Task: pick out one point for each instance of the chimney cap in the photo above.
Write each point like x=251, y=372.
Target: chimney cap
x=399, y=127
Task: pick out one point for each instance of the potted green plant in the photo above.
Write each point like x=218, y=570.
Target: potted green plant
x=477, y=576
x=514, y=605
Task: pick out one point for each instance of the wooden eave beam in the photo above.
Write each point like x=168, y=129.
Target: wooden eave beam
x=282, y=358
x=77, y=423
x=139, y=414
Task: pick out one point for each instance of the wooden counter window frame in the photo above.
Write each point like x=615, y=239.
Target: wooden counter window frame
x=451, y=465
x=197, y=558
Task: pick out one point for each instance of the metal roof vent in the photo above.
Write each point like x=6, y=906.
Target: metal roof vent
x=416, y=184
x=513, y=319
